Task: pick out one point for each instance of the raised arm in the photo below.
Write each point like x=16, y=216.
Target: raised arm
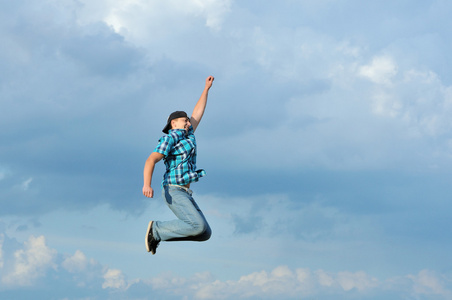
x=200, y=106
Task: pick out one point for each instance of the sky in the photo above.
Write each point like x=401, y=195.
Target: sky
x=327, y=142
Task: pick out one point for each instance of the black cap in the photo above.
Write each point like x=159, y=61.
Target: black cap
x=174, y=115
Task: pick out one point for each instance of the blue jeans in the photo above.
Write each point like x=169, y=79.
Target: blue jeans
x=191, y=224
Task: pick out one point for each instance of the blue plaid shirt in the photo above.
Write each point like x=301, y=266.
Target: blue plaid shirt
x=179, y=149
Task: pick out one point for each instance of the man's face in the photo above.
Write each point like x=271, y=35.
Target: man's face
x=181, y=123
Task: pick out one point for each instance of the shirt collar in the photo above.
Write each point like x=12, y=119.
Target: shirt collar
x=182, y=132
x=179, y=132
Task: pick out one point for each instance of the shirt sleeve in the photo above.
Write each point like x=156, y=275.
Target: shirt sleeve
x=165, y=145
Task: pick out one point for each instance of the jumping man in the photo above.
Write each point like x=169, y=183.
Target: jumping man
x=178, y=150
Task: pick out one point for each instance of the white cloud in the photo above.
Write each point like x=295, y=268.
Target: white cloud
x=76, y=263
x=350, y=124
x=381, y=70
x=358, y=280
x=141, y=20
x=36, y=259
x=324, y=278
x=419, y=101
x=285, y=283
x=428, y=282
x=214, y=11
x=33, y=265
x=30, y=263
x=114, y=279
x=280, y=281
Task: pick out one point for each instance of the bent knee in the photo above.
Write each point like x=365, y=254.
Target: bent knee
x=203, y=232
x=207, y=234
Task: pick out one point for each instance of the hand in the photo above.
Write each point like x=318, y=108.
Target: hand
x=209, y=82
x=148, y=191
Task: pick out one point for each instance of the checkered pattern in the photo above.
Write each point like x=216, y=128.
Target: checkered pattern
x=179, y=149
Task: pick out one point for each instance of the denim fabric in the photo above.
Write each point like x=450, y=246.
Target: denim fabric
x=191, y=224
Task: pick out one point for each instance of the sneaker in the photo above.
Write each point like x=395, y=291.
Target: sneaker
x=151, y=243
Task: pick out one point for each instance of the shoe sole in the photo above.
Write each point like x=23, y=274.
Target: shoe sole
x=147, y=236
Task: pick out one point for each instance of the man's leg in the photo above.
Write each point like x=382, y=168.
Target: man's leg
x=191, y=224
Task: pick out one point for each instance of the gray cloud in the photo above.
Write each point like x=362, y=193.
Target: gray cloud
x=328, y=123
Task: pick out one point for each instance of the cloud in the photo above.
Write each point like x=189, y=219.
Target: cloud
x=284, y=283
x=381, y=70
x=114, y=279
x=326, y=132
x=30, y=263
x=26, y=184
x=76, y=263
x=89, y=87
x=152, y=20
x=417, y=99
x=350, y=124
x=358, y=280
x=428, y=282
x=65, y=79
x=316, y=219
x=40, y=268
